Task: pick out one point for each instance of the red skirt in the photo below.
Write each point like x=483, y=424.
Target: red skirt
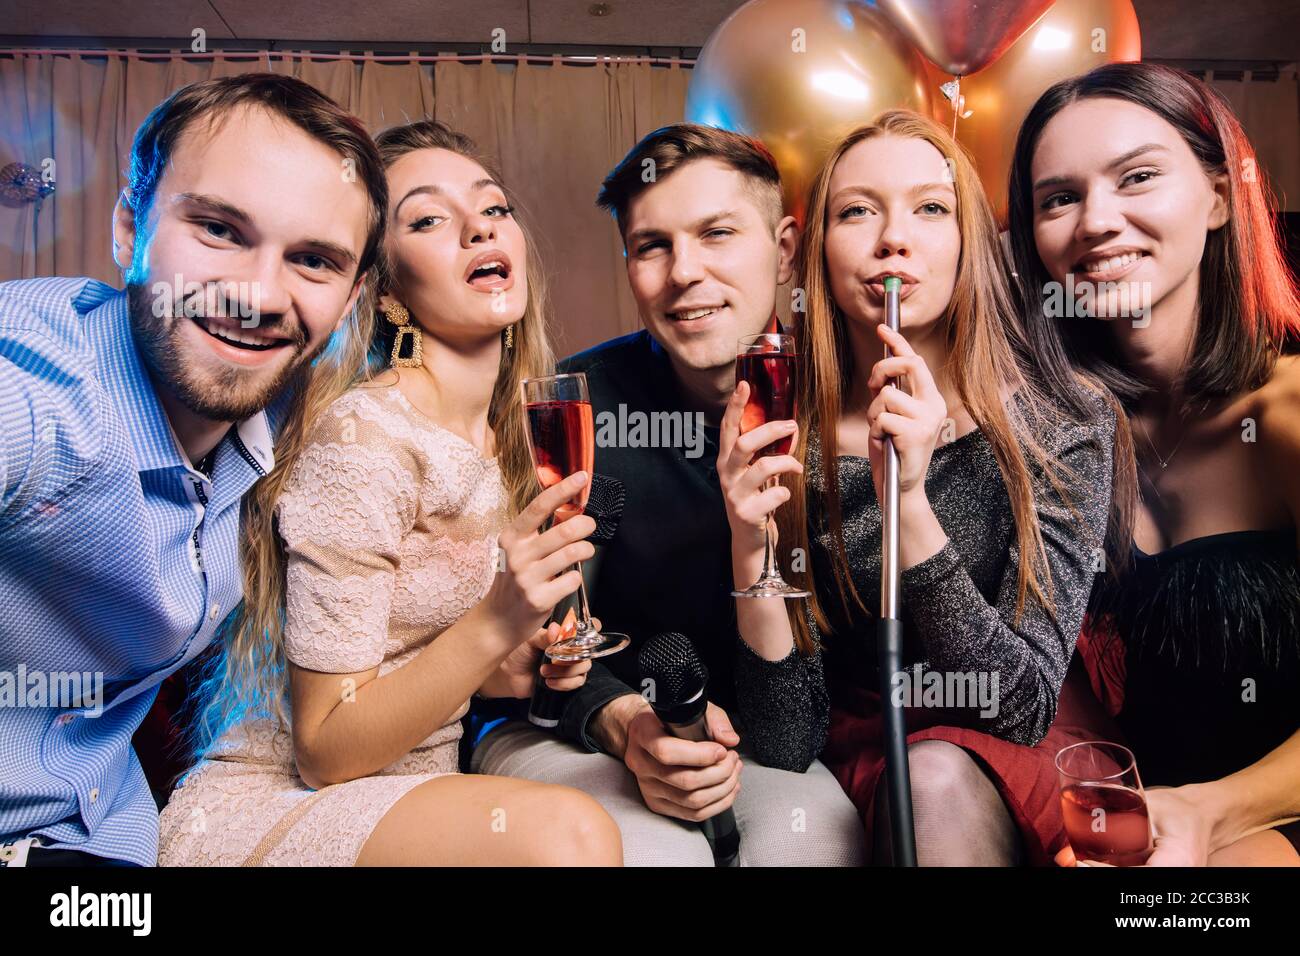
x=1025, y=777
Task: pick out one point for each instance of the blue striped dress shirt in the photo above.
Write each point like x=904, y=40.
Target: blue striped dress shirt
x=117, y=559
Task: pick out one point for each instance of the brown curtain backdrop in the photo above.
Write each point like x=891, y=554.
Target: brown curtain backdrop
x=1270, y=113
x=555, y=128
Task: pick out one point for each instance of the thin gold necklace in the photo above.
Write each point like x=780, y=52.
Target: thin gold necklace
x=1164, y=461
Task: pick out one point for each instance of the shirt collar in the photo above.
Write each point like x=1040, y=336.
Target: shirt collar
x=126, y=380
x=255, y=435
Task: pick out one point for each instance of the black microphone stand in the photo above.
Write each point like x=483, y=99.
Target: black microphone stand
x=889, y=641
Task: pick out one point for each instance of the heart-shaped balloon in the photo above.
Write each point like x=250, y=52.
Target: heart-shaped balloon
x=962, y=36
x=1073, y=37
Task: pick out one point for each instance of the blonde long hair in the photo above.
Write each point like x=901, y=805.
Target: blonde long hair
x=250, y=679
x=979, y=334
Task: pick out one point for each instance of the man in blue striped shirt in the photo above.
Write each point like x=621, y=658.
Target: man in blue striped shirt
x=133, y=422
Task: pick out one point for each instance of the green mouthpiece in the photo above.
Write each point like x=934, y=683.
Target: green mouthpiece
x=893, y=283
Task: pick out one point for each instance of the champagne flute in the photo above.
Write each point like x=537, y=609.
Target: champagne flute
x=1104, y=805
x=769, y=363
x=562, y=439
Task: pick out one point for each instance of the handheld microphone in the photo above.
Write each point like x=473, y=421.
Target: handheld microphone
x=678, y=677
x=605, y=505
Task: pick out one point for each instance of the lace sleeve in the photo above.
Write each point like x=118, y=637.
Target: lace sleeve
x=349, y=501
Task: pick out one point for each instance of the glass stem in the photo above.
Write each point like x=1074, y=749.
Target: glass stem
x=769, y=552
x=584, y=613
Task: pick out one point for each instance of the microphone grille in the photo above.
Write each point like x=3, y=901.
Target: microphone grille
x=605, y=505
x=672, y=665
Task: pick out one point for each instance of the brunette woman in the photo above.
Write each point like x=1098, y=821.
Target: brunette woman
x=1135, y=188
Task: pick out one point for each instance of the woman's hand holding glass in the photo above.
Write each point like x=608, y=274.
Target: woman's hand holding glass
x=517, y=675
x=535, y=568
x=1181, y=827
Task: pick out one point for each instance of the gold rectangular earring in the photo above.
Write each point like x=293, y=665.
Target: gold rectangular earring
x=415, y=357
x=396, y=314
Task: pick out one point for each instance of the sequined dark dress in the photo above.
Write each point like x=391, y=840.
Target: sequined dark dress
x=959, y=618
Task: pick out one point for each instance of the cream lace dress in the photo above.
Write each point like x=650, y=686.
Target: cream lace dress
x=390, y=525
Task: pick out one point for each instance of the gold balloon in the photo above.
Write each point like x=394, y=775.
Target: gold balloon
x=799, y=75
x=1073, y=37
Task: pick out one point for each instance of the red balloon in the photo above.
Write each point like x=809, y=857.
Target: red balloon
x=1073, y=37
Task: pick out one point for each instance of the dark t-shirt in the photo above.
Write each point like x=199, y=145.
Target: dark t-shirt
x=668, y=565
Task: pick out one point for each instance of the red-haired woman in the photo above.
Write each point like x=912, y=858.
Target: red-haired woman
x=1004, y=496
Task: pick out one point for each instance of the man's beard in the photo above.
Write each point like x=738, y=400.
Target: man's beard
x=228, y=394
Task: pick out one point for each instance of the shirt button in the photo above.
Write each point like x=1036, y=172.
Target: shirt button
x=94, y=794
x=213, y=611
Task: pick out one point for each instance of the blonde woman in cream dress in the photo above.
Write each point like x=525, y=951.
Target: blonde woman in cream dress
x=337, y=715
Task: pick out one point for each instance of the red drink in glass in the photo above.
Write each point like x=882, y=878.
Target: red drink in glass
x=1107, y=823
x=771, y=378
x=564, y=441
x=1103, y=803
x=767, y=362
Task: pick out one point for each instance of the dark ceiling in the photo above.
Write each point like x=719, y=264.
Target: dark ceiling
x=1232, y=30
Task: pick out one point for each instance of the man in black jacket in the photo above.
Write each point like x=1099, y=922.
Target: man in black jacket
x=707, y=246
